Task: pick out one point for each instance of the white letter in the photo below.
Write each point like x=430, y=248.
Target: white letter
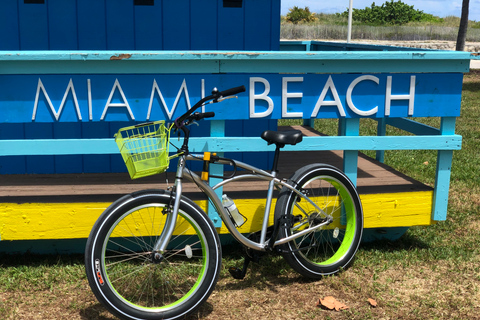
x=349, y=96
x=410, y=97
x=286, y=95
x=89, y=88
x=56, y=113
x=263, y=96
x=169, y=112
x=336, y=102
x=116, y=105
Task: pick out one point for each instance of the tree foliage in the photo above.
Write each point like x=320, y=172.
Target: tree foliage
x=390, y=13
x=298, y=15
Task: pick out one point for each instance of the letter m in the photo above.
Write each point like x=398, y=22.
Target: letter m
x=56, y=113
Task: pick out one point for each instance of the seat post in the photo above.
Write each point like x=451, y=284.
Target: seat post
x=276, y=157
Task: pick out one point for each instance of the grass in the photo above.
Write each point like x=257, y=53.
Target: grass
x=331, y=26
x=429, y=273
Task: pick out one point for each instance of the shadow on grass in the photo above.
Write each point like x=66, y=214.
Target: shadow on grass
x=94, y=312
x=471, y=86
x=39, y=260
x=405, y=242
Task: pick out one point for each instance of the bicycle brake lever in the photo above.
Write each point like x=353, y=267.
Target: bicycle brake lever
x=192, y=122
x=223, y=98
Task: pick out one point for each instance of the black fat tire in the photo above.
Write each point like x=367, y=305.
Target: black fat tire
x=331, y=248
x=120, y=267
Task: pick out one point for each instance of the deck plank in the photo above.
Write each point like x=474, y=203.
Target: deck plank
x=373, y=177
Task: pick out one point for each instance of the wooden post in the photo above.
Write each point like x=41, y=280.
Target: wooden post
x=443, y=172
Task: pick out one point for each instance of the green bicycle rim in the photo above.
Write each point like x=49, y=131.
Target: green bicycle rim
x=186, y=296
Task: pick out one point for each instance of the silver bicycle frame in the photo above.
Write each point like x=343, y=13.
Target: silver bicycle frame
x=183, y=172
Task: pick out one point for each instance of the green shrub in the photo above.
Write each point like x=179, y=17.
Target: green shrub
x=390, y=13
x=298, y=15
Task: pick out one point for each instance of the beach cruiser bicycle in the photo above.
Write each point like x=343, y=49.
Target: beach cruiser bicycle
x=155, y=254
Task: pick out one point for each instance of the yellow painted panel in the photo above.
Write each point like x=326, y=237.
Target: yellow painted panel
x=397, y=209
x=32, y=221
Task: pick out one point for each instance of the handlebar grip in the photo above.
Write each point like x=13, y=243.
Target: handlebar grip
x=208, y=114
x=232, y=91
x=200, y=116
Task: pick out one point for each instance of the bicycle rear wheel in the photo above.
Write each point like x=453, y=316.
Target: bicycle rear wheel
x=330, y=248
x=127, y=277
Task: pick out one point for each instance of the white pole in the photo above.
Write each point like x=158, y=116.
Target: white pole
x=350, y=13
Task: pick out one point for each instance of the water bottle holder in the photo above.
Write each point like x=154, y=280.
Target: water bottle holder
x=233, y=220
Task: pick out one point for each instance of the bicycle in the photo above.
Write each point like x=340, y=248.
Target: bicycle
x=155, y=254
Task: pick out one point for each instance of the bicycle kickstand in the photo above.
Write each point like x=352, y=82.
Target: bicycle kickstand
x=238, y=273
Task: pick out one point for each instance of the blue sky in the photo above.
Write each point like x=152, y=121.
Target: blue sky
x=441, y=8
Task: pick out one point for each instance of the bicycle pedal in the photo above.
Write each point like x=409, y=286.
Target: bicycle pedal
x=237, y=273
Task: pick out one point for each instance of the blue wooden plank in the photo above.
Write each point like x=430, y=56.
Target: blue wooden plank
x=67, y=163
x=12, y=164
x=96, y=163
x=148, y=26
x=176, y=25
x=296, y=45
x=381, y=131
x=92, y=32
x=120, y=25
x=43, y=163
x=275, y=33
x=236, y=144
x=204, y=25
x=442, y=185
x=290, y=57
x=231, y=34
x=33, y=26
x=259, y=24
x=350, y=127
x=443, y=173
x=254, y=128
x=412, y=126
x=123, y=97
x=9, y=37
x=95, y=62
x=62, y=25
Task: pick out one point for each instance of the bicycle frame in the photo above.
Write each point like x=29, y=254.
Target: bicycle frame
x=183, y=172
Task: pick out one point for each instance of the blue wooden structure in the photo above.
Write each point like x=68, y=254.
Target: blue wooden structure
x=83, y=26
x=64, y=93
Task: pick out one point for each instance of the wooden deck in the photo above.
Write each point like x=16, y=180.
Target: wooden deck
x=66, y=206
x=373, y=177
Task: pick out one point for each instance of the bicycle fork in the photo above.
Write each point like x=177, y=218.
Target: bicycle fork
x=172, y=214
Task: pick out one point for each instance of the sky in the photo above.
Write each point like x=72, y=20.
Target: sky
x=441, y=8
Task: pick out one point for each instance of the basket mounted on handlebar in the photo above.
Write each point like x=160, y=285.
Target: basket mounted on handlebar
x=144, y=148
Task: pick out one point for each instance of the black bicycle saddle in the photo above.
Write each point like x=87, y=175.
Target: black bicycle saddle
x=281, y=138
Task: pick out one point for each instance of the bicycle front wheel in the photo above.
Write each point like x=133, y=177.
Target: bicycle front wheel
x=330, y=248
x=131, y=280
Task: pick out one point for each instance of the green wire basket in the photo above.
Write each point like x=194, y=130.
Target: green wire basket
x=144, y=148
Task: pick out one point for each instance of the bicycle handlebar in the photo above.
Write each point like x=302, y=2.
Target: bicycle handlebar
x=200, y=116
x=189, y=116
x=215, y=96
x=232, y=91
